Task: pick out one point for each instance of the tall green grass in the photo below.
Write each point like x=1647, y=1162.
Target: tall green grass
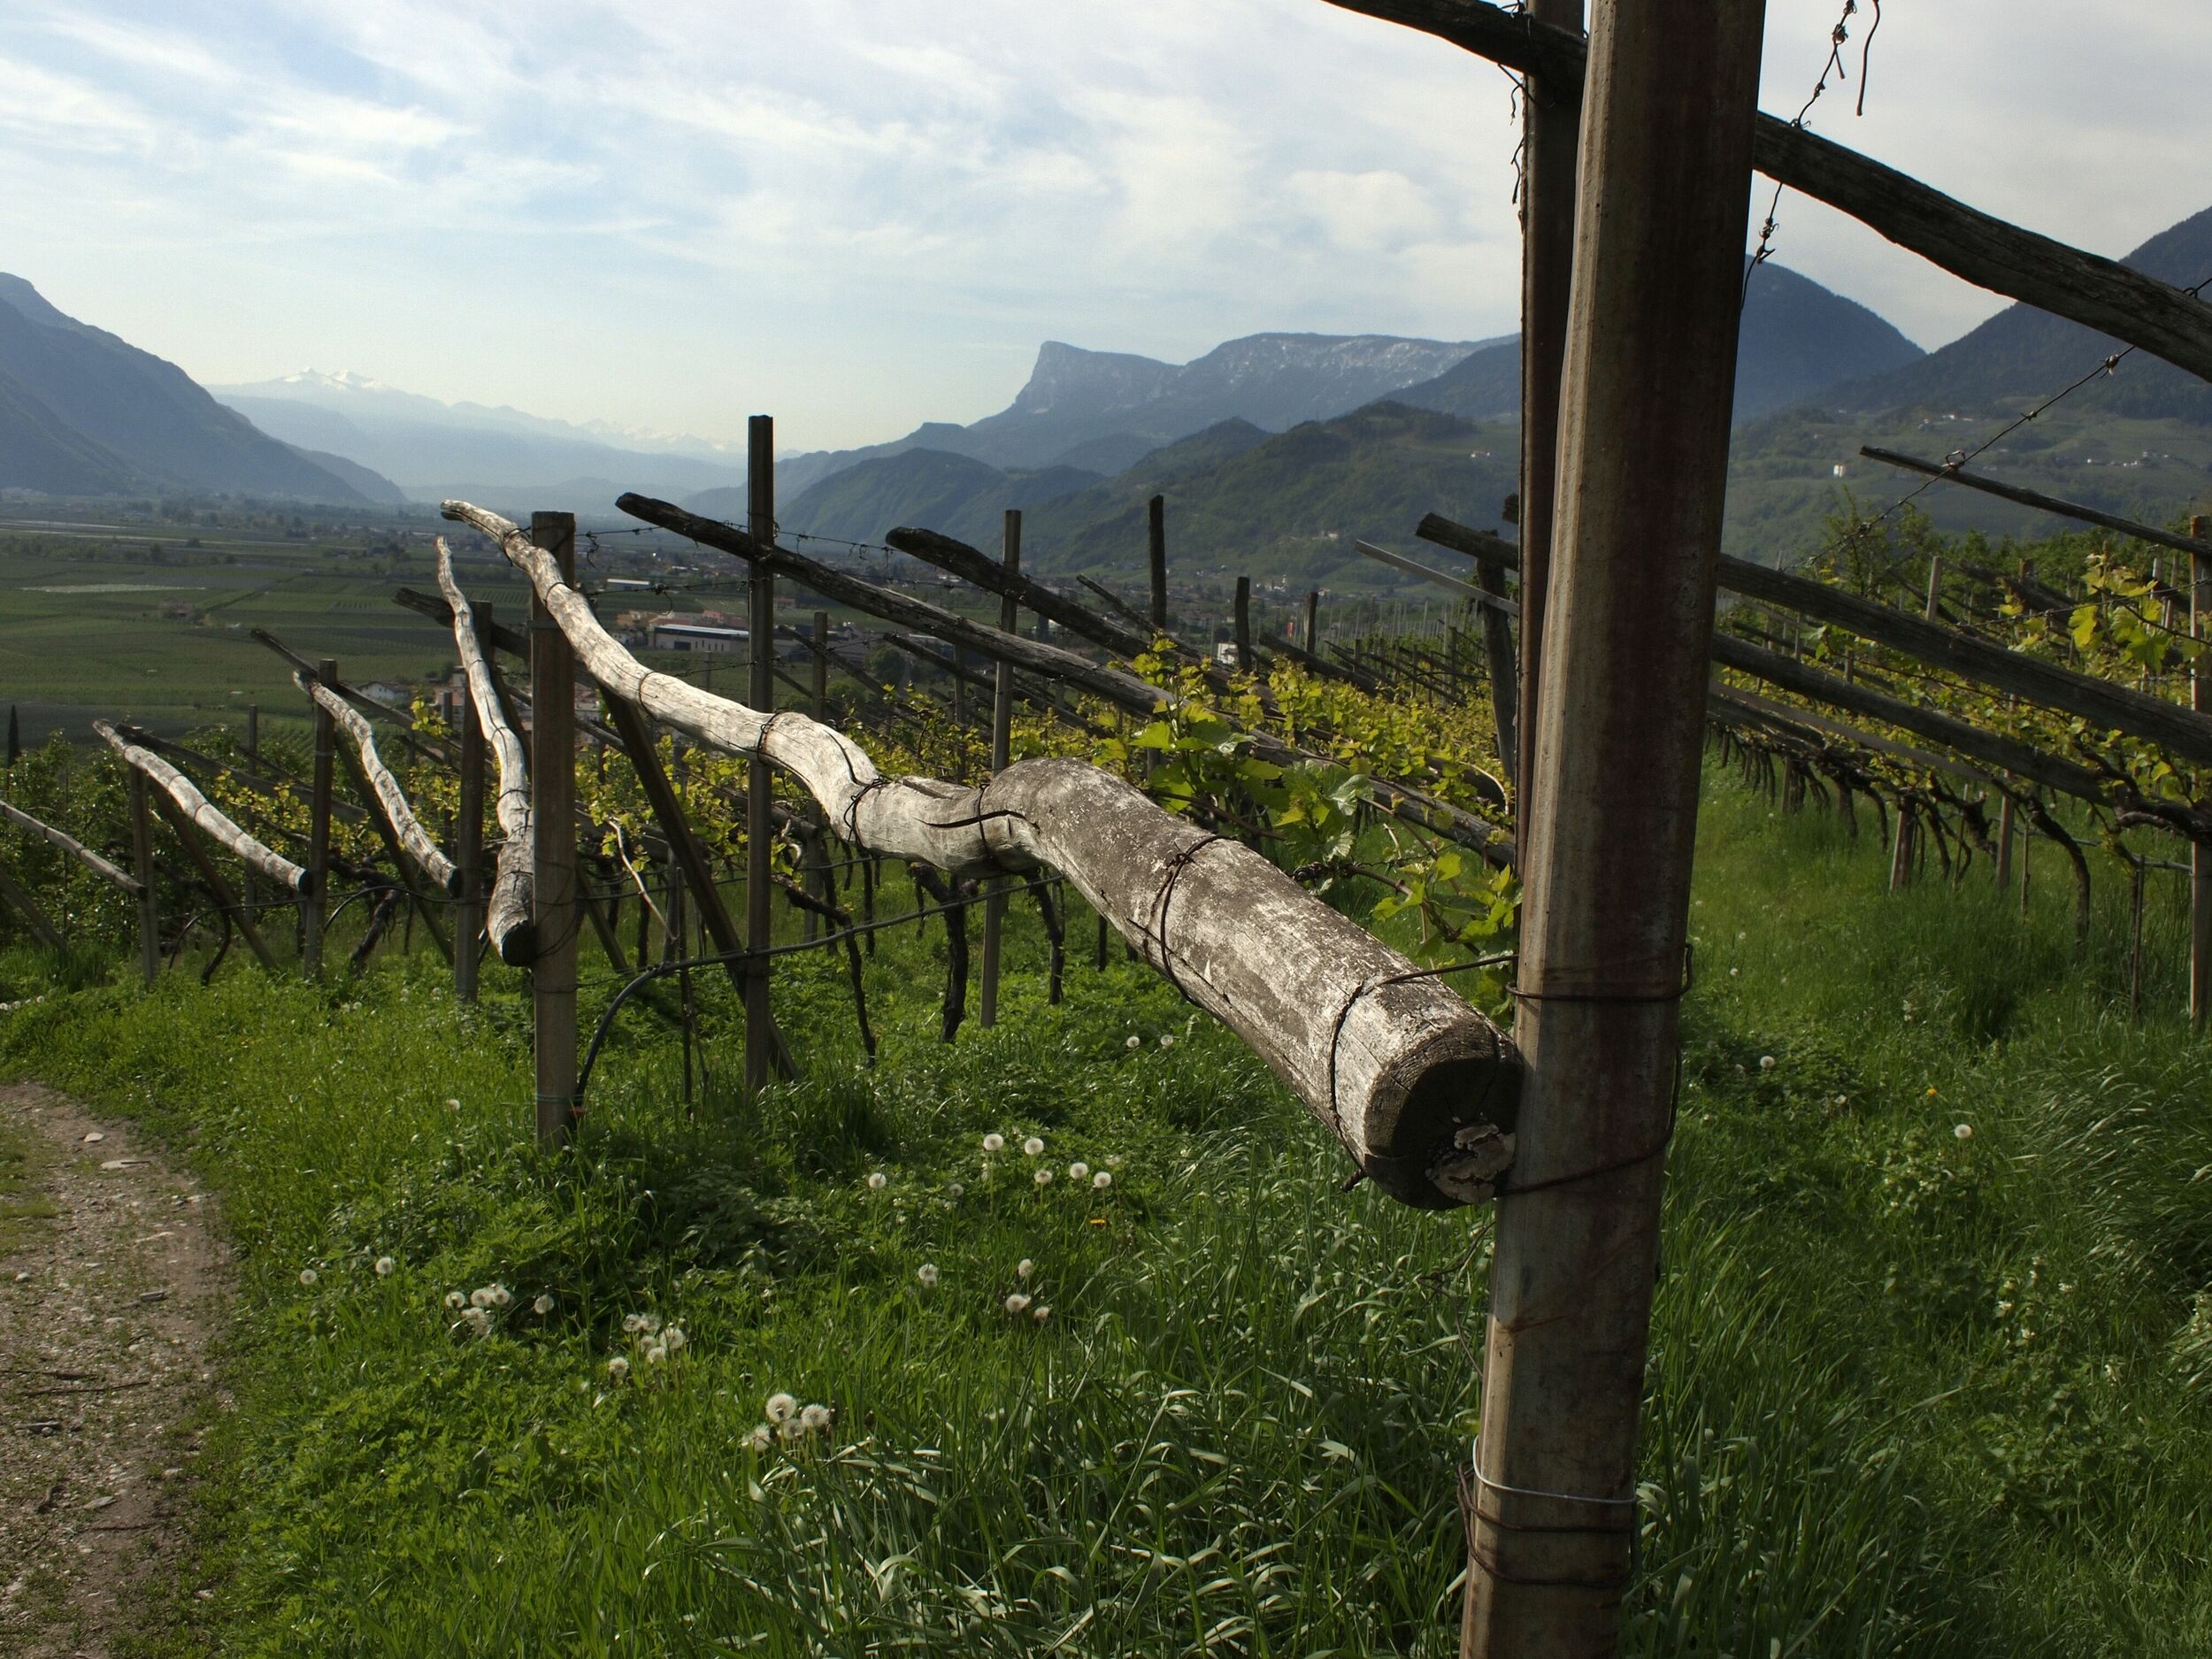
x=1910, y=1393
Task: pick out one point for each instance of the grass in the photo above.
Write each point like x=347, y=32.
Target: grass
x=1910, y=1393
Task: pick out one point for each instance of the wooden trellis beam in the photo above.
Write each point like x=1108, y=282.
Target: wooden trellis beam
x=204, y=813
x=69, y=844
x=1418, y=1086
x=2038, y=499
x=507, y=915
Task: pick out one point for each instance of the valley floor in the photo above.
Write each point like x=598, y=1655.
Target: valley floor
x=1933, y=1347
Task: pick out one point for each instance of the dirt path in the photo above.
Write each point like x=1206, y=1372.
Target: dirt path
x=112, y=1280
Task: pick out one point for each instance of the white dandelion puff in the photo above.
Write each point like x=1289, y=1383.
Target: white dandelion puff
x=877, y=1180
x=1766, y=1063
x=307, y=1276
x=453, y=1105
x=1043, y=1178
x=619, y=1369
x=1167, y=1039
x=480, y=1297
x=1079, y=1170
x=1024, y=1268
x=501, y=1296
x=993, y=1142
x=1018, y=1304
x=762, y=1438
x=955, y=1191
x=815, y=1419
x=927, y=1273
x=478, y=1320
x=1034, y=1145
x=1102, y=1180
x=649, y=1323
x=782, y=1408
x=1964, y=1132
x=1134, y=1042
x=1040, y=1313
x=675, y=1338
x=789, y=1429
x=385, y=1267
x=455, y=1300
x=543, y=1305
x=632, y=1323
x=654, y=1352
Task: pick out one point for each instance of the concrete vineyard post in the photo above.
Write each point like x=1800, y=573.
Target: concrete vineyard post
x=1001, y=751
x=760, y=794
x=1155, y=548
x=1664, y=184
x=553, y=843
x=468, y=835
x=142, y=868
x=314, y=900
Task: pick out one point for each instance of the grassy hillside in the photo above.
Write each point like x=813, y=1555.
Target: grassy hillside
x=1911, y=1393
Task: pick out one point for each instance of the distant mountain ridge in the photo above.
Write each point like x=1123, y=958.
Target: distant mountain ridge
x=1103, y=410
x=85, y=412
x=1796, y=339
x=497, y=455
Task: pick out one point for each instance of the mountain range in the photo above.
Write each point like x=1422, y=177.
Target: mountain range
x=495, y=455
x=85, y=413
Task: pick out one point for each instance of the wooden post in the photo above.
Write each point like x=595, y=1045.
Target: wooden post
x=314, y=901
x=821, y=666
x=1550, y=158
x=1901, y=851
x=1001, y=752
x=1156, y=523
x=1497, y=649
x=143, y=867
x=1643, y=453
x=554, y=911
x=250, y=898
x=1935, y=587
x=2199, y=855
x=2005, y=831
x=760, y=797
x=1243, y=615
x=1313, y=619
x=468, y=834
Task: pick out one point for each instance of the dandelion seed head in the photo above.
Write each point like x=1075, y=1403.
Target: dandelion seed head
x=789, y=1429
x=1964, y=1132
x=877, y=1180
x=480, y=1297
x=654, y=1352
x=815, y=1419
x=1043, y=1178
x=762, y=1438
x=1167, y=1039
x=543, y=1305
x=649, y=1323
x=1018, y=1304
x=385, y=1267
x=1102, y=1180
x=1134, y=1042
x=632, y=1323
x=927, y=1273
x=955, y=1191
x=782, y=1408
x=1766, y=1063
x=453, y=1105
x=675, y=1338
x=1034, y=1145
x=1079, y=1169
x=307, y=1276
x=478, y=1321
x=993, y=1142
x=501, y=1296
x=618, y=1368
x=456, y=1299
x=1024, y=1268
x=1040, y=1313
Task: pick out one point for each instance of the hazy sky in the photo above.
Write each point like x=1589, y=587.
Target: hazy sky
x=858, y=215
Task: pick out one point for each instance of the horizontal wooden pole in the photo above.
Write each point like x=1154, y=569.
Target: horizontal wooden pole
x=2181, y=732
x=407, y=834
x=1450, y=583
x=260, y=783
x=203, y=812
x=1730, y=700
x=75, y=848
x=1418, y=1085
x=514, y=641
x=972, y=565
x=2036, y=498
x=2084, y=288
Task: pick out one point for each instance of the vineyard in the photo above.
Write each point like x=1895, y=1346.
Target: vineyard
x=1140, y=1133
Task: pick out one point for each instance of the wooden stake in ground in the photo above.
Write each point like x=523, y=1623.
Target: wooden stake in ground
x=1242, y=626
x=1665, y=179
x=1550, y=136
x=760, y=793
x=143, y=865
x=468, y=855
x=1313, y=621
x=1156, y=546
x=314, y=899
x=2199, y=855
x=1001, y=751
x=553, y=843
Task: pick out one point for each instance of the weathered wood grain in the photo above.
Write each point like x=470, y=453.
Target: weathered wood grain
x=204, y=813
x=407, y=829
x=507, y=914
